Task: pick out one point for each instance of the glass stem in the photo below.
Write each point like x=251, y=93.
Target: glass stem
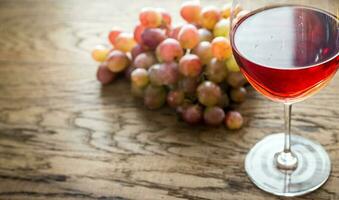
x=286, y=160
x=287, y=119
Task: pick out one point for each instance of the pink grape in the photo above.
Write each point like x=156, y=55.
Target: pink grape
x=174, y=32
x=175, y=98
x=145, y=60
x=236, y=79
x=113, y=34
x=188, y=85
x=190, y=65
x=169, y=73
x=140, y=77
x=221, y=48
x=205, y=35
x=152, y=37
x=188, y=36
x=209, y=17
x=117, y=61
x=192, y=114
x=169, y=50
x=209, y=93
x=100, y=53
x=204, y=51
x=150, y=18
x=166, y=17
x=190, y=11
x=138, y=30
x=154, y=97
x=214, y=116
x=216, y=71
x=164, y=74
x=234, y=120
x=104, y=75
x=138, y=49
x=238, y=95
x=125, y=42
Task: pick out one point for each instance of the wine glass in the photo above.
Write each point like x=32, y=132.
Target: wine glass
x=288, y=50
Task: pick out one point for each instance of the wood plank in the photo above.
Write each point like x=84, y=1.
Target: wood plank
x=63, y=136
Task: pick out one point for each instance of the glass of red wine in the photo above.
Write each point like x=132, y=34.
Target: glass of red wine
x=288, y=50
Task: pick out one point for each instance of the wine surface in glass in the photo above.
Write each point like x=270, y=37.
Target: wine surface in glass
x=287, y=52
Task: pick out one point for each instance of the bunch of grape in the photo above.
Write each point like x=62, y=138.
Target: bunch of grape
x=188, y=67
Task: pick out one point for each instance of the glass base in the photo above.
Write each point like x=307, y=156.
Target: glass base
x=313, y=169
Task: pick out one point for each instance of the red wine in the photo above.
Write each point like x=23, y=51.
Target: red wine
x=287, y=52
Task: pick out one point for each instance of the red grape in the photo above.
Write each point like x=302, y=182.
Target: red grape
x=169, y=50
x=154, y=97
x=104, y=75
x=138, y=49
x=113, y=35
x=175, y=98
x=190, y=65
x=188, y=85
x=138, y=30
x=152, y=37
x=145, y=60
x=214, y=116
x=209, y=93
x=192, y=114
x=238, y=95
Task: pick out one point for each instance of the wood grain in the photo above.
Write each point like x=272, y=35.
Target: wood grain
x=63, y=136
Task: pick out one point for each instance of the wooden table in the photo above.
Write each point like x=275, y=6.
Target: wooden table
x=63, y=136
